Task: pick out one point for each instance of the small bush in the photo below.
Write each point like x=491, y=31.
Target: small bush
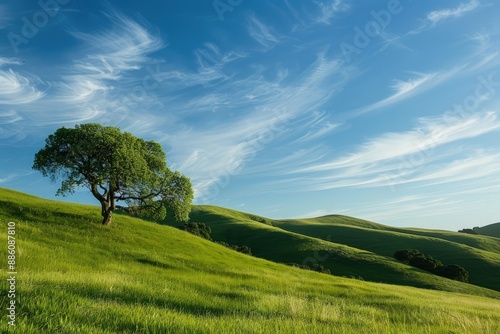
x=241, y=249
x=300, y=266
x=315, y=267
x=468, y=231
x=198, y=229
x=426, y=262
x=223, y=243
x=321, y=269
x=406, y=255
x=257, y=219
x=454, y=272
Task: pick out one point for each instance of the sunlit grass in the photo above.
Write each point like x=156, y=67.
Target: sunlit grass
x=75, y=276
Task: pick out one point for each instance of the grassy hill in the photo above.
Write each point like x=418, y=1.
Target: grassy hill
x=477, y=254
x=357, y=248
x=76, y=276
x=493, y=230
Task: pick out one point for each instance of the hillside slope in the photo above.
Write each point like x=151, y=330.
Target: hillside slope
x=477, y=254
x=350, y=248
x=486, y=243
x=492, y=230
x=76, y=276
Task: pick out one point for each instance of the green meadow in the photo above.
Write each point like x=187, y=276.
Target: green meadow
x=76, y=276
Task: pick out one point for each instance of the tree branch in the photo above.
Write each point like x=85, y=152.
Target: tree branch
x=96, y=193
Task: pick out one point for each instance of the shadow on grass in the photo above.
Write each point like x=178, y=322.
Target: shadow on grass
x=41, y=214
x=155, y=263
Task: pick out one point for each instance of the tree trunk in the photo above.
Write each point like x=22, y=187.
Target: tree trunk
x=107, y=201
x=107, y=216
x=106, y=212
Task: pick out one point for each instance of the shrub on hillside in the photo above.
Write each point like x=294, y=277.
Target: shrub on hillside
x=406, y=255
x=202, y=230
x=454, y=272
x=468, y=231
x=315, y=267
x=296, y=265
x=257, y=219
x=244, y=249
x=426, y=262
x=223, y=243
x=417, y=259
x=320, y=268
x=198, y=229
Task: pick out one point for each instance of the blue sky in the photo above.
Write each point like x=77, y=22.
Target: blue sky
x=383, y=110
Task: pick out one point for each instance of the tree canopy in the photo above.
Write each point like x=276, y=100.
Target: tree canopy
x=115, y=166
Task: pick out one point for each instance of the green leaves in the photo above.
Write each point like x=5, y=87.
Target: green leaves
x=115, y=166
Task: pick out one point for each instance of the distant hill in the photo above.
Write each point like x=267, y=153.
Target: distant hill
x=477, y=253
x=492, y=230
x=358, y=248
x=76, y=276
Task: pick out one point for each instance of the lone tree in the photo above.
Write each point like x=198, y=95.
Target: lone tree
x=115, y=166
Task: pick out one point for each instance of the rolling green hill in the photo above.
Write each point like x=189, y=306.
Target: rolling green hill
x=357, y=248
x=477, y=254
x=493, y=230
x=76, y=276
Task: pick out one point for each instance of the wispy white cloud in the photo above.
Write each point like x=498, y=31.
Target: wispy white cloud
x=16, y=88
x=4, y=178
x=426, y=136
x=444, y=14
x=404, y=89
x=389, y=39
x=317, y=124
x=483, y=41
x=479, y=165
x=310, y=15
x=10, y=61
x=452, y=202
x=212, y=154
x=413, y=206
x=261, y=32
x=210, y=56
x=211, y=70
x=320, y=131
x=330, y=9
x=434, y=17
x=81, y=88
x=100, y=80
x=486, y=55
x=7, y=178
x=466, y=166
x=420, y=157
x=123, y=48
x=9, y=117
x=276, y=166
x=257, y=111
x=110, y=55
